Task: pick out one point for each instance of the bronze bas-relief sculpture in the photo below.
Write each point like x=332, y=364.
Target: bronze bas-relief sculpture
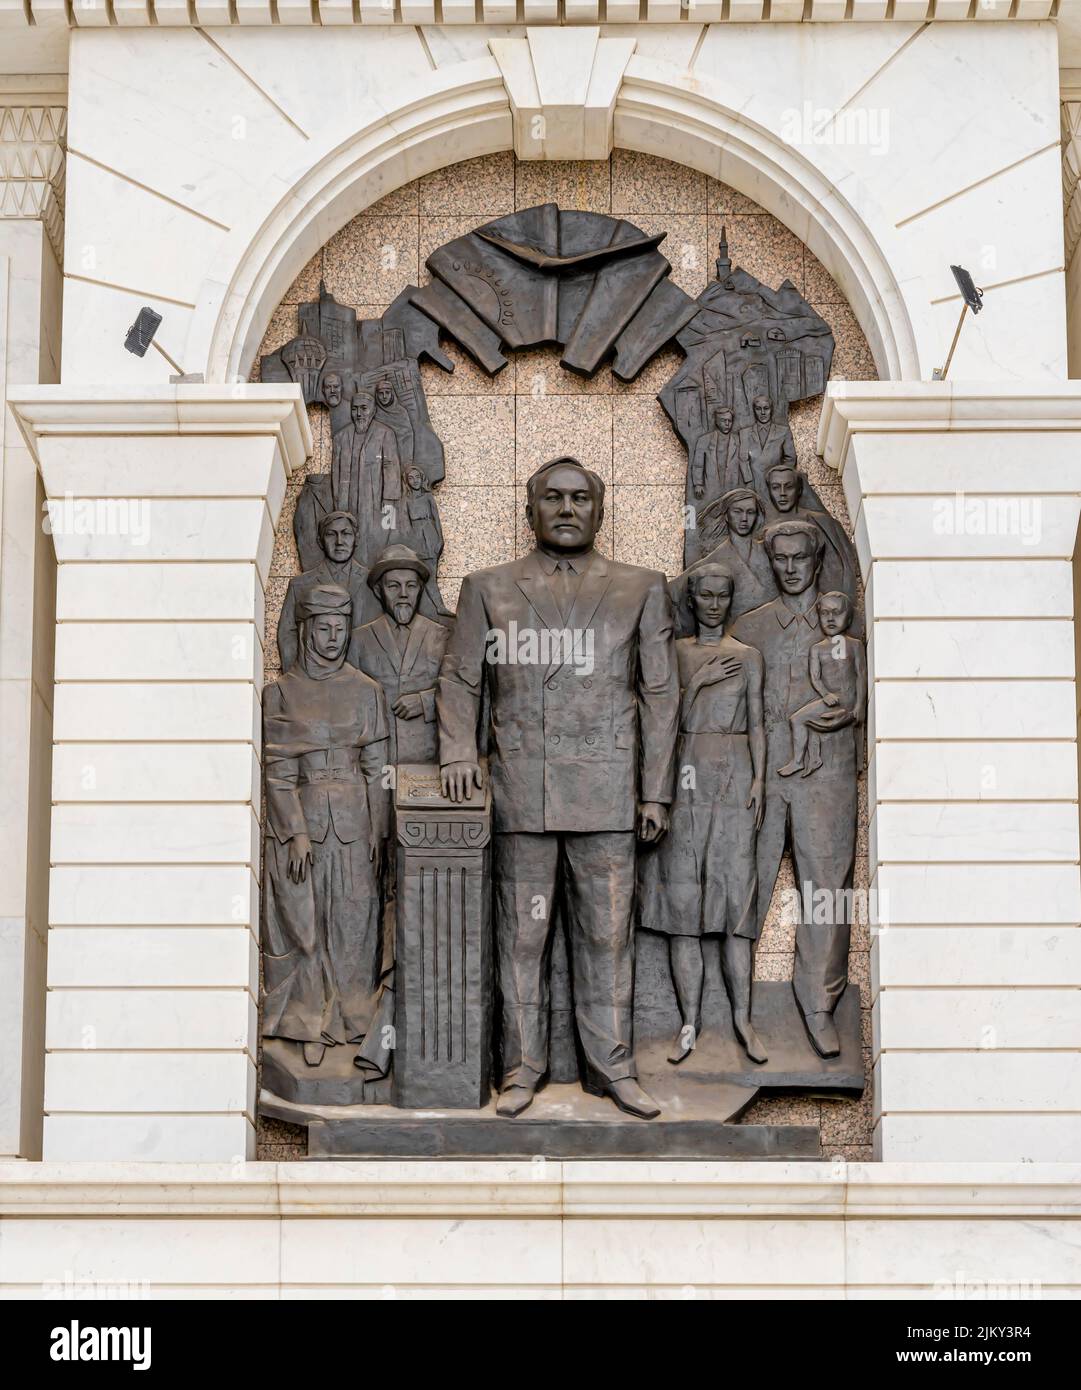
x=577, y=763
x=337, y=534
x=403, y=650
x=636, y=781
x=386, y=456
x=817, y=814
x=328, y=819
x=734, y=526
x=702, y=877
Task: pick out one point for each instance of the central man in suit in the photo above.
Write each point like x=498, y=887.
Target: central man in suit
x=571, y=658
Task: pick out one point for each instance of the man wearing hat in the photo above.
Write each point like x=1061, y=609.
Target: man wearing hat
x=402, y=650
x=581, y=738
x=339, y=567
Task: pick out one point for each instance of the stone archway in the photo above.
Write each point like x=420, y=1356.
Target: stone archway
x=655, y=109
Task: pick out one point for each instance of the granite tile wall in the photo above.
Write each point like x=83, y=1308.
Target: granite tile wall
x=496, y=431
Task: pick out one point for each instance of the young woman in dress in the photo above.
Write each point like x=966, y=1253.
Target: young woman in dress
x=701, y=877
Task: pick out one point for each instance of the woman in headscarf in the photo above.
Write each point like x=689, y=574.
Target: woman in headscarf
x=390, y=410
x=702, y=877
x=325, y=748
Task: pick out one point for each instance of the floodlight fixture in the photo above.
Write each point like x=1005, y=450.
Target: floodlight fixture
x=973, y=299
x=141, y=336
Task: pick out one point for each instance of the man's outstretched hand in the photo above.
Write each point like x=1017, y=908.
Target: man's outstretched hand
x=459, y=779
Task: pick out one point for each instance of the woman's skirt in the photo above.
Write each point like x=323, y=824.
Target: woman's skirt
x=322, y=943
x=701, y=877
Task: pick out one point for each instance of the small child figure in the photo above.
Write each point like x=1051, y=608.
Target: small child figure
x=425, y=532
x=838, y=671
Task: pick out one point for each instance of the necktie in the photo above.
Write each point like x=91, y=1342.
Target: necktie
x=396, y=637
x=563, y=587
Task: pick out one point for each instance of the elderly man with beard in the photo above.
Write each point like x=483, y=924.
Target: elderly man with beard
x=366, y=475
x=402, y=650
x=332, y=390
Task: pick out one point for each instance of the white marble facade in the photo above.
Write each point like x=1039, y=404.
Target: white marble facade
x=204, y=166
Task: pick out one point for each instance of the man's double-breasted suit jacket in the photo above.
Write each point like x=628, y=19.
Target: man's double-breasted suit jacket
x=582, y=729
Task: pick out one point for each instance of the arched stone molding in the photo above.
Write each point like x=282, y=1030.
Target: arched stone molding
x=209, y=207
x=463, y=109
x=662, y=111
x=659, y=111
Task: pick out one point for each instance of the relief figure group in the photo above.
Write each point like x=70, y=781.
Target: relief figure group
x=648, y=751
x=652, y=788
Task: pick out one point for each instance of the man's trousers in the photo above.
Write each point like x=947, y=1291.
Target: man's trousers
x=819, y=812
x=595, y=873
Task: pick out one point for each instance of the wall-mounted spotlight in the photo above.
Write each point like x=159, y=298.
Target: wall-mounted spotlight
x=141, y=336
x=973, y=299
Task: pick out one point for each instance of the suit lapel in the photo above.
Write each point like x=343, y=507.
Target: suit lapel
x=533, y=583
x=383, y=635
x=591, y=590
x=413, y=644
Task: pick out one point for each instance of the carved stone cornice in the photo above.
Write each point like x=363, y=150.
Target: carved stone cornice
x=32, y=160
x=100, y=14
x=888, y=1192
x=904, y=407
x=183, y=408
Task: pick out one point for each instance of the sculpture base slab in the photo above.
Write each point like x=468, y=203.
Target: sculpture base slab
x=793, y=1063
x=563, y=1122
x=335, y=1081
x=700, y=1098
x=483, y=1134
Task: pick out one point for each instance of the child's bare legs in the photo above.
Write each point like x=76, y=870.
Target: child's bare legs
x=688, y=972
x=802, y=737
x=812, y=758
